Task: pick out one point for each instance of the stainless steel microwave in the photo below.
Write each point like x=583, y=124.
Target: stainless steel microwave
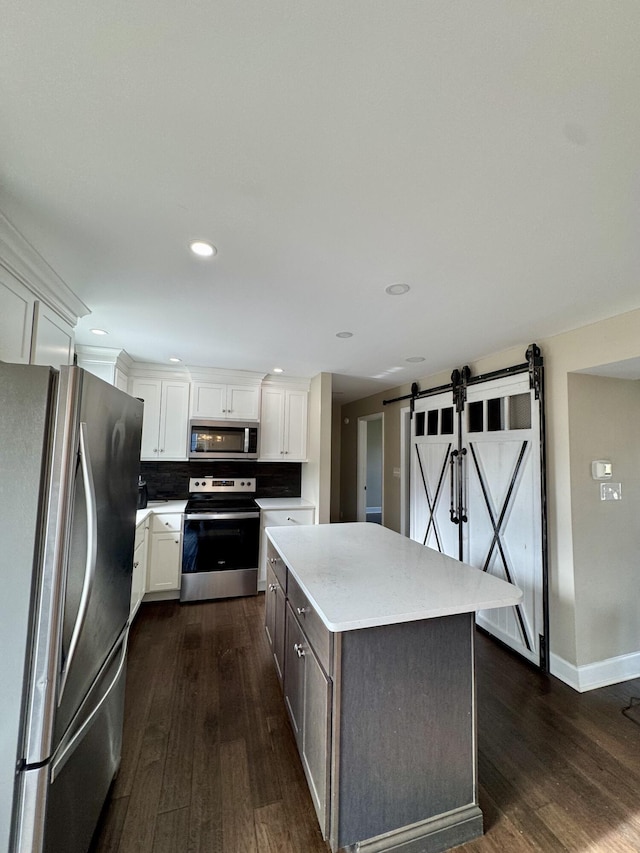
x=223, y=440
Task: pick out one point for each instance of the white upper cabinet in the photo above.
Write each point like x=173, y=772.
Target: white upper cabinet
x=108, y=363
x=234, y=396
x=166, y=417
x=16, y=319
x=38, y=312
x=52, y=338
x=283, y=423
x=233, y=402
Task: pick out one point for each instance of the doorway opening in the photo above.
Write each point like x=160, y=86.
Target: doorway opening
x=370, y=468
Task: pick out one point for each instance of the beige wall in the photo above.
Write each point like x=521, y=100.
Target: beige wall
x=612, y=340
x=604, y=416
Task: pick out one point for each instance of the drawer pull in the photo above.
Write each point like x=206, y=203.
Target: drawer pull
x=291, y=519
x=302, y=611
x=299, y=649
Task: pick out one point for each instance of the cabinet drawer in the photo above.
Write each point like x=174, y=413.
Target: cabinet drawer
x=277, y=566
x=316, y=632
x=166, y=521
x=282, y=517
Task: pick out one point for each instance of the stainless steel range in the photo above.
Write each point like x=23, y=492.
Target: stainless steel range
x=221, y=536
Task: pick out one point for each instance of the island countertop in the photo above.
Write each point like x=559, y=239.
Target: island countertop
x=362, y=575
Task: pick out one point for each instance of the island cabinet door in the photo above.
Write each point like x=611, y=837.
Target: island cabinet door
x=274, y=618
x=308, y=699
x=294, y=674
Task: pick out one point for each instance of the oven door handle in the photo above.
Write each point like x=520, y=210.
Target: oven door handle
x=216, y=516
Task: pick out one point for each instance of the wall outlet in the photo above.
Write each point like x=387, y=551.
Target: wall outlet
x=610, y=491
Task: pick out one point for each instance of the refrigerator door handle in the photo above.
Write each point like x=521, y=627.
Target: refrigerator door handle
x=61, y=759
x=92, y=554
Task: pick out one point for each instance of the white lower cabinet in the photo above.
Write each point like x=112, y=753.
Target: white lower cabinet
x=164, y=569
x=139, y=573
x=279, y=518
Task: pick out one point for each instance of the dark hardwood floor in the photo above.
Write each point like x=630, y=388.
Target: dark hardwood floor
x=209, y=763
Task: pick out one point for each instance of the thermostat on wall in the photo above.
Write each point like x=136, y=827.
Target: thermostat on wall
x=601, y=469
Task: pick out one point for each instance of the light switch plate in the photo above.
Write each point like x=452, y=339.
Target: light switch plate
x=610, y=491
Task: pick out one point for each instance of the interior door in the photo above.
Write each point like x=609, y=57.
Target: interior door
x=502, y=476
x=434, y=440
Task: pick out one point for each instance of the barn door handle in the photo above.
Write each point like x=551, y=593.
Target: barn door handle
x=465, y=486
x=453, y=471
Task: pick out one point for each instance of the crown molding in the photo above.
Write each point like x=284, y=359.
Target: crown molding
x=223, y=376
x=24, y=262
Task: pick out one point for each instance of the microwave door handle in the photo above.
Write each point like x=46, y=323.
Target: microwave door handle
x=91, y=557
x=246, y=439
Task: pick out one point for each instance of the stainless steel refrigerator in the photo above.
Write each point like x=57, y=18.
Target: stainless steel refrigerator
x=69, y=462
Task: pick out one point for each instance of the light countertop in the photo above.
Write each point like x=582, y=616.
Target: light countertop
x=159, y=506
x=284, y=503
x=363, y=575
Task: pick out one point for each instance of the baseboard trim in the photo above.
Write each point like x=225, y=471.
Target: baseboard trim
x=599, y=674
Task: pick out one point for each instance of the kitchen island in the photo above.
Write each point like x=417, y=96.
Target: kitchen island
x=372, y=636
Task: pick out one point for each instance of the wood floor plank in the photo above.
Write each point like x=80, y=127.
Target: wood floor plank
x=176, y=785
x=237, y=815
x=172, y=832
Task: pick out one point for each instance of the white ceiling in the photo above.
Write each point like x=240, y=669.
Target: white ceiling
x=485, y=153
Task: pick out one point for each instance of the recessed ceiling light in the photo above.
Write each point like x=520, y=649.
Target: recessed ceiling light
x=204, y=250
x=278, y=370
x=175, y=359
x=99, y=332
x=344, y=335
x=414, y=359
x=397, y=289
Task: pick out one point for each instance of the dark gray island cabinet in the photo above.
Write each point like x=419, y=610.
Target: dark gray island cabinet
x=372, y=638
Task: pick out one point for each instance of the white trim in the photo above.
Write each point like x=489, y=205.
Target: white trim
x=24, y=262
x=222, y=376
x=599, y=674
x=405, y=471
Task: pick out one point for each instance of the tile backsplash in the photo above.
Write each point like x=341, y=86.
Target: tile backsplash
x=170, y=480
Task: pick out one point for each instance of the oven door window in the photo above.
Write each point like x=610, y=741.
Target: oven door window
x=221, y=544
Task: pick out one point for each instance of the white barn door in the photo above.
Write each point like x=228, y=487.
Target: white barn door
x=503, y=536
x=477, y=491
x=434, y=438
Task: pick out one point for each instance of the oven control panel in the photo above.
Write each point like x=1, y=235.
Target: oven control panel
x=246, y=485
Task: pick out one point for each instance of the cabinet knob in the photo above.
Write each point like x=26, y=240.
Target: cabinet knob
x=299, y=649
x=272, y=587
x=166, y=524
x=155, y=449
x=162, y=450
x=136, y=564
x=302, y=611
x=290, y=519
